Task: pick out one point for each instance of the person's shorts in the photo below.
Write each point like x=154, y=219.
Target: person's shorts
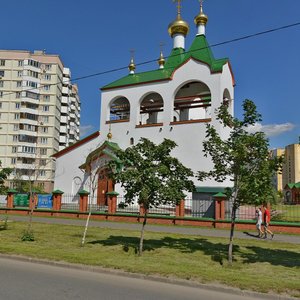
x=258, y=225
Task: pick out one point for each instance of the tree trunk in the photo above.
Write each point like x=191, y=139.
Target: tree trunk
x=86, y=228
x=142, y=234
x=230, y=248
x=31, y=199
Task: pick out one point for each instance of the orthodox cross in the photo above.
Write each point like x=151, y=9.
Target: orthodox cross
x=178, y=6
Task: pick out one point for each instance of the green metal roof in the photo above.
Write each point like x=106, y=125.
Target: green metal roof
x=199, y=51
x=102, y=149
x=209, y=189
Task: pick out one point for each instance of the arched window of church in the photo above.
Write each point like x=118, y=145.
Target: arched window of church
x=151, y=109
x=227, y=100
x=120, y=110
x=76, y=185
x=192, y=102
x=132, y=141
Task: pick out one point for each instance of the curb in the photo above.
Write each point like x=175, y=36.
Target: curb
x=175, y=281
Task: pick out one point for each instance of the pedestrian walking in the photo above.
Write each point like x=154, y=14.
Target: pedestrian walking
x=267, y=219
x=259, y=222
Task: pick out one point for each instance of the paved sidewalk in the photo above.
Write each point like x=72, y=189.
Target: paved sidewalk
x=209, y=232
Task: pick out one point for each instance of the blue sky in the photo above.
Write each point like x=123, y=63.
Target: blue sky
x=93, y=36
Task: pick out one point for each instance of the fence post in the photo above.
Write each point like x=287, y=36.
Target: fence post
x=83, y=200
x=57, y=195
x=10, y=198
x=112, y=202
x=219, y=206
x=180, y=208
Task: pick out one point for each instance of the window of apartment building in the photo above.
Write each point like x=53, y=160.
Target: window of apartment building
x=2, y=62
x=1, y=83
x=44, y=140
x=46, y=87
x=0, y=105
x=16, y=127
x=17, y=116
x=33, y=74
x=45, y=119
x=46, y=98
x=43, y=162
x=0, y=116
x=30, y=116
x=20, y=63
x=42, y=173
x=13, y=160
x=43, y=151
x=48, y=67
x=27, y=149
x=31, y=84
x=45, y=129
x=32, y=95
x=19, y=83
x=45, y=108
x=18, y=95
x=17, y=105
x=47, y=77
x=20, y=73
x=15, y=138
x=29, y=127
x=2, y=73
x=33, y=63
x=14, y=149
x=1, y=94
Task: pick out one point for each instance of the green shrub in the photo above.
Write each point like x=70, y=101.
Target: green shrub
x=27, y=236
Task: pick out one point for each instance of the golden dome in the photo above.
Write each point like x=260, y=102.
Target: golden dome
x=178, y=26
x=131, y=66
x=109, y=135
x=161, y=61
x=202, y=18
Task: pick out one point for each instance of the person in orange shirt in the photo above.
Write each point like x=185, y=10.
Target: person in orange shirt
x=267, y=218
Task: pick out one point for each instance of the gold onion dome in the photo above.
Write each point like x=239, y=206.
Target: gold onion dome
x=109, y=135
x=161, y=60
x=178, y=26
x=131, y=66
x=202, y=18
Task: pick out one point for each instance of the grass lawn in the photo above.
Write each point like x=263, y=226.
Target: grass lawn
x=289, y=213
x=259, y=265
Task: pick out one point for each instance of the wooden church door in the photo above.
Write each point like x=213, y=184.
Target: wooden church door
x=105, y=184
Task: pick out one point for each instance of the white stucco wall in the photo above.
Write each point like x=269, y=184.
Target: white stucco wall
x=189, y=137
x=67, y=167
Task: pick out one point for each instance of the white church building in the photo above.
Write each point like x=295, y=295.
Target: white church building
x=174, y=101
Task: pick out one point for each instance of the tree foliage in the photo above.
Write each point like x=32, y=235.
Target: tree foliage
x=152, y=176
x=244, y=158
x=4, y=173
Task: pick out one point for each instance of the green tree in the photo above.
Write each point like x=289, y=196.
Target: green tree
x=4, y=173
x=150, y=175
x=243, y=157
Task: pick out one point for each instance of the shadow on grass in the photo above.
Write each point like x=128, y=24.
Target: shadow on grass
x=217, y=251
x=276, y=257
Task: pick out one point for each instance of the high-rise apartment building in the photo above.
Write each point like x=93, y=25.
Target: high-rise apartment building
x=291, y=166
x=39, y=114
x=277, y=178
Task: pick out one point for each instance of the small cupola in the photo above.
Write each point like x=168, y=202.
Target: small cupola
x=201, y=20
x=179, y=29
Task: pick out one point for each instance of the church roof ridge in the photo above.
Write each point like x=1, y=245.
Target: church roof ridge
x=199, y=50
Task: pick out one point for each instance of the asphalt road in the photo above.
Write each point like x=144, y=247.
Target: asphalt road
x=21, y=280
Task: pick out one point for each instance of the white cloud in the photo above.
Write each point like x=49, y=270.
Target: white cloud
x=271, y=129
x=85, y=129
